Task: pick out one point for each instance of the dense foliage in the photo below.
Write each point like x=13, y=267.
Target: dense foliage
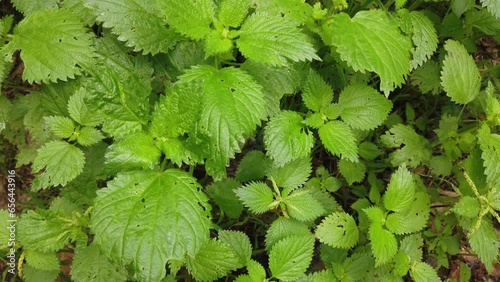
x=265, y=140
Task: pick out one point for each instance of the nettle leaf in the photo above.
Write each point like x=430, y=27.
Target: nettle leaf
x=320, y=276
x=42, y=260
x=400, y=191
x=290, y=257
x=486, y=244
x=286, y=138
x=148, y=218
x=30, y=6
x=424, y=38
x=375, y=214
x=137, y=23
x=422, y=272
x=51, y=234
x=256, y=272
x=383, y=243
x=223, y=193
x=426, y=77
x=412, y=246
x=214, y=260
x=379, y=46
x=239, y=243
x=191, y=17
x=80, y=111
x=137, y=151
x=292, y=175
x=59, y=162
x=232, y=12
x=416, y=149
x=272, y=39
x=216, y=44
x=339, y=140
x=253, y=166
x=302, y=206
x=490, y=145
x=363, y=107
x=233, y=106
x=88, y=136
x=51, y=30
x=460, y=77
x=467, y=206
x=257, y=196
x=284, y=227
x=413, y=219
x=295, y=10
x=122, y=101
x=351, y=171
x=62, y=127
x=32, y=274
x=492, y=6
x=91, y=265
x=358, y=266
x=338, y=230
x=316, y=93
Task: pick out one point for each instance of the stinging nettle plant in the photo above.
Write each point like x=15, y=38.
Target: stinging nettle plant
x=259, y=140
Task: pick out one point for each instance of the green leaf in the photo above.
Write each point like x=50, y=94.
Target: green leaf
x=384, y=244
x=232, y=12
x=412, y=246
x=30, y=6
x=233, y=106
x=485, y=243
x=59, y=163
x=422, y=272
x=426, y=77
x=357, y=266
x=80, y=111
x=339, y=140
x=400, y=192
x=286, y=138
x=413, y=219
x=401, y=262
x=51, y=30
x=467, y=206
x=379, y=47
x=320, y=276
x=51, y=235
x=253, y=166
x=290, y=257
x=415, y=151
x=137, y=23
x=137, y=151
x=352, y=172
x=121, y=98
x=424, y=38
x=217, y=44
x=31, y=274
x=239, y=243
x=88, y=136
x=223, y=193
x=272, y=39
x=363, y=107
x=490, y=145
x=375, y=214
x=338, y=230
x=191, y=17
x=492, y=6
x=91, y=265
x=257, y=196
x=214, y=260
x=292, y=175
x=5, y=216
x=42, y=261
x=316, y=93
x=62, y=127
x=460, y=77
x=284, y=227
x=302, y=206
x=149, y=218
x=256, y=272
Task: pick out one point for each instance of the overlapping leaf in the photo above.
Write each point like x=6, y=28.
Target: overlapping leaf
x=148, y=218
x=339, y=140
x=378, y=46
x=190, y=17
